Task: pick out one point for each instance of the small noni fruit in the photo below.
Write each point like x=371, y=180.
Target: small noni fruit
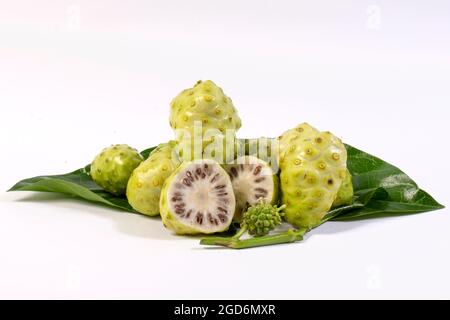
x=112, y=168
x=345, y=194
x=198, y=198
x=313, y=167
x=261, y=218
x=145, y=184
x=253, y=182
x=205, y=123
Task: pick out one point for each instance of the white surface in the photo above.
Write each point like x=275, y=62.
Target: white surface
x=76, y=76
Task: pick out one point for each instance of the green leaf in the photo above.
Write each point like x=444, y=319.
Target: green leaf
x=77, y=184
x=381, y=190
x=146, y=153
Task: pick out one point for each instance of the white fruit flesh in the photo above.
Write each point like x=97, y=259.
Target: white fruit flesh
x=201, y=197
x=253, y=181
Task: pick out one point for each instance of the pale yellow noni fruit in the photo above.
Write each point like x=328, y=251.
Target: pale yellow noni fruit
x=145, y=184
x=313, y=166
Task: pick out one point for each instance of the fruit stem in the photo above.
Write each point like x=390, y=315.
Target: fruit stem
x=239, y=233
x=234, y=242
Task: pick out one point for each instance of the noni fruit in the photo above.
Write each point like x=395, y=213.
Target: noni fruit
x=253, y=182
x=313, y=168
x=112, y=168
x=345, y=194
x=198, y=198
x=145, y=184
x=205, y=123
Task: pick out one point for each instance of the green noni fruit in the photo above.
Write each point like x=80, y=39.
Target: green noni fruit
x=145, y=184
x=261, y=218
x=112, y=168
x=205, y=123
x=207, y=103
x=313, y=168
x=345, y=194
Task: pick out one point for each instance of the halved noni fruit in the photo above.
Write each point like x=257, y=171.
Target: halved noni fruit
x=253, y=181
x=198, y=198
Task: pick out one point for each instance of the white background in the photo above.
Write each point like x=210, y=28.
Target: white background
x=76, y=76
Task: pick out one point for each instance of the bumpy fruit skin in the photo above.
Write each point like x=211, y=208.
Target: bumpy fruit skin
x=207, y=103
x=205, y=116
x=345, y=194
x=169, y=219
x=292, y=135
x=260, y=219
x=313, y=167
x=145, y=184
x=112, y=168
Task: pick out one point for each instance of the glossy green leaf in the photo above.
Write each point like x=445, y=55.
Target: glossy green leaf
x=76, y=184
x=381, y=189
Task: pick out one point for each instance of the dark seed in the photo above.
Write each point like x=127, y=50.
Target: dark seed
x=199, y=217
x=210, y=218
x=261, y=190
x=198, y=171
x=179, y=211
x=188, y=214
x=214, y=178
x=330, y=181
x=175, y=199
x=222, y=186
x=224, y=200
x=180, y=206
x=189, y=175
x=207, y=169
x=242, y=167
x=260, y=180
x=203, y=175
x=187, y=182
x=257, y=170
x=222, y=217
x=221, y=194
x=234, y=172
x=222, y=210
